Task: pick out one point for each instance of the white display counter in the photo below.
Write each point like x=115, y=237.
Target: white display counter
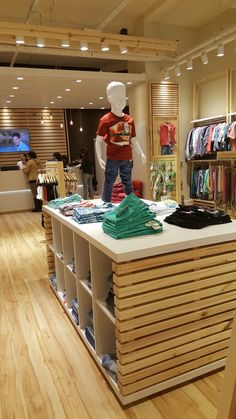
x=175, y=297
x=15, y=194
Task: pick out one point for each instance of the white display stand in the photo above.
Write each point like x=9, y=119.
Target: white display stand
x=15, y=194
x=175, y=297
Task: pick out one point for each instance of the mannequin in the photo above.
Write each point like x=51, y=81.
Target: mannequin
x=118, y=131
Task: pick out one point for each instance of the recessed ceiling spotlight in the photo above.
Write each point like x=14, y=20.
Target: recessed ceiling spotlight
x=61, y=125
x=104, y=47
x=78, y=81
x=82, y=107
x=59, y=97
x=90, y=103
x=65, y=43
x=83, y=46
x=8, y=101
x=220, y=50
x=11, y=95
x=204, y=58
x=103, y=107
x=71, y=122
x=52, y=102
x=127, y=98
x=20, y=78
x=40, y=43
x=129, y=82
x=101, y=97
x=15, y=88
x=123, y=49
x=20, y=40
x=45, y=107
x=67, y=90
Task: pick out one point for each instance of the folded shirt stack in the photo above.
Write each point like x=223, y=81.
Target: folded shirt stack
x=68, y=209
x=131, y=218
x=194, y=217
x=118, y=193
x=88, y=215
x=89, y=334
x=55, y=203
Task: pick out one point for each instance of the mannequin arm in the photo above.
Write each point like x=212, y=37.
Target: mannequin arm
x=98, y=147
x=138, y=149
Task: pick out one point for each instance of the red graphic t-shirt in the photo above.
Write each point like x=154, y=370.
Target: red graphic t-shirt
x=117, y=132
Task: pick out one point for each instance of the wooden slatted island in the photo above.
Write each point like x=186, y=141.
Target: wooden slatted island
x=175, y=298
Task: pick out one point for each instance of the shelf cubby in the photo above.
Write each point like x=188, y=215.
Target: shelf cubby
x=104, y=332
x=70, y=286
x=81, y=253
x=67, y=244
x=101, y=269
x=59, y=267
x=57, y=239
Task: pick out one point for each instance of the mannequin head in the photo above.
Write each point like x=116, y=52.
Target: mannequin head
x=116, y=95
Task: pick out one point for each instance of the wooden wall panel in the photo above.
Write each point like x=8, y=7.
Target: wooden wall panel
x=45, y=139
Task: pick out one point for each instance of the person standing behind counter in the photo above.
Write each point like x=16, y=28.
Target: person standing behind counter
x=22, y=162
x=31, y=170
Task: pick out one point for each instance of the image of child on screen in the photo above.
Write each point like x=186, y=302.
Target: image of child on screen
x=19, y=143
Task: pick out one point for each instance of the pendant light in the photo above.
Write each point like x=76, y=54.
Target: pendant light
x=80, y=122
x=71, y=120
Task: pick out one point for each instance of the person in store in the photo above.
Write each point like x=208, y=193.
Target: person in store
x=18, y=142
x=86, y=166
x=23, y=160
x=56, y=156
x=31, y=170
x=65, y=160
x=117, y=129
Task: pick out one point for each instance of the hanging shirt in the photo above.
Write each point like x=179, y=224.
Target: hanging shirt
x=117, y=132
x=167, y=134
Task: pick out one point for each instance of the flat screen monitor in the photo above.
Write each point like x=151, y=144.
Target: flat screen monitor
x=14, y=140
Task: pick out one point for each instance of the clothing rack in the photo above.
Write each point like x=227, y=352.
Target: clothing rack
x=56, y=167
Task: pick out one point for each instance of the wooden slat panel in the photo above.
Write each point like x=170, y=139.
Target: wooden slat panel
x=167, y=281
x=138, y=265
x=175, y=290
x=168, y=364
x=130, y=324
x=180, y=301
x=181, y=369
x=144, y=356
x=44, y=139
x=171, y=332
x=173, y=269
x=164, y=99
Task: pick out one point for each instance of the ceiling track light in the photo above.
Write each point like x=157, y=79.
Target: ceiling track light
x=189, y=64
x=204, y=58
x=42, y=120
x=104, y=47
x=40, y=43
x=51, y=117
x=177, y=71
x=123, y=49
x=65, y=43
x=20, y=40
x=83, y=46
x=220, y=50
x=166, y=75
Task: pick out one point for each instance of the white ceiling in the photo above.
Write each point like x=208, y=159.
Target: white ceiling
x=39, y=87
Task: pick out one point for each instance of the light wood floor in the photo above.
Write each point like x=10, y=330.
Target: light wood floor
x=46, y=371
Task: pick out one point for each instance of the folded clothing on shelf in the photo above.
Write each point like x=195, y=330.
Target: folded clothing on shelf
x=194, y=217
x=75, y=307
x=53, y=280
x=131, y=218
x=109, y=362
x=167, y=206
x=89, y=334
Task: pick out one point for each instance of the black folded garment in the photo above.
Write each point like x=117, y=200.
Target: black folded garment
x=194, y=217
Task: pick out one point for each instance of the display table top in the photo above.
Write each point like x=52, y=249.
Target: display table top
x=172, y=238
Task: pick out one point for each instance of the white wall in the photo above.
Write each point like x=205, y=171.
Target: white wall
x=139, y=110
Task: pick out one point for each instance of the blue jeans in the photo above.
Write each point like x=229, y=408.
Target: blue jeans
x=166, y=150
x=113, y=168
